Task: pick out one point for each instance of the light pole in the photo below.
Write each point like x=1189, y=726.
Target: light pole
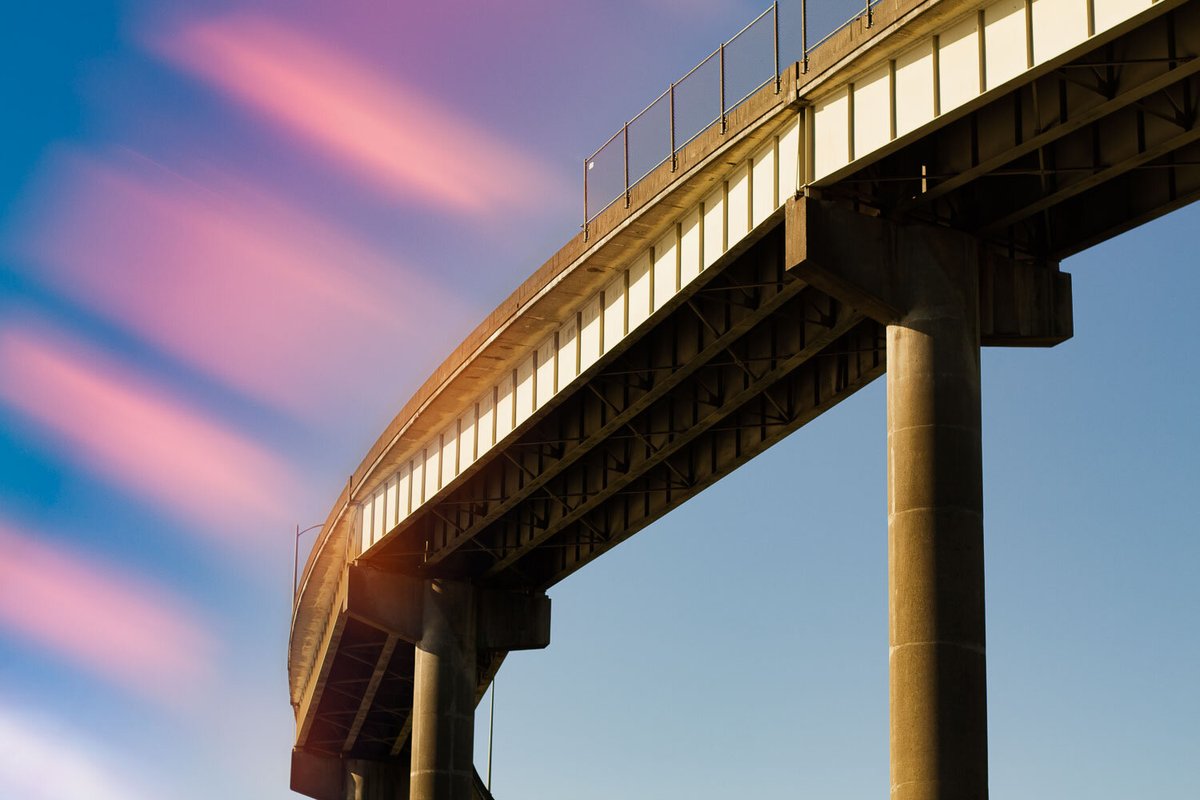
x=296, y=560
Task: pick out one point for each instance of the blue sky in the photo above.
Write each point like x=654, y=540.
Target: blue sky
x=212, y=301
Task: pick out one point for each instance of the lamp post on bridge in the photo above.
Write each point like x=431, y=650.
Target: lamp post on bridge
x=296, y=559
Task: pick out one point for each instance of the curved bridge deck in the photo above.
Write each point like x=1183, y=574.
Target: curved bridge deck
x=745, y=289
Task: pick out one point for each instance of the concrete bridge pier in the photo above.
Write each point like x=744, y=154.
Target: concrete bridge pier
x=443, y=730
x=941, y=296
x=449, y=623
x=935, y=527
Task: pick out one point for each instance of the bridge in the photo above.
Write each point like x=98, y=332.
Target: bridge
x=893, y=201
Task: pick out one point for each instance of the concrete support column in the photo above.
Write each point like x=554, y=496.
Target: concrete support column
x=444, y=694
x=935, y=527
x=356, y=783
x=373, y=780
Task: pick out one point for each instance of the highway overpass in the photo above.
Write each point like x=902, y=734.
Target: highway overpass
x=889, y=204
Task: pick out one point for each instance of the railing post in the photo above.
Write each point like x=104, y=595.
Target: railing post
x=295, y=568
x=722, y=52
x=868, y=13
x=804, y=34
x=625, y=134
x=674, y=163
x=775, y=22
x=296, y=563
x=586, y=169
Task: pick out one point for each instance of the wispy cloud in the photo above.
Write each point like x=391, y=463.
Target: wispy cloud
x=41, y=760
x=386, y=131
x=223, y=274
x=109, y=419
x=101, y=618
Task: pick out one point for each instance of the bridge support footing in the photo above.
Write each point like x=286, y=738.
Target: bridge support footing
x=935, y=524
x=444, y=693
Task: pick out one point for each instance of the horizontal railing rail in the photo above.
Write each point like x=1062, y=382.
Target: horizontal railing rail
x=657, y=134
x=621, y=162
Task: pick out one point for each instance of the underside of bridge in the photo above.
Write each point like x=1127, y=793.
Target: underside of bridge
x=1087, y=150
x=747, y=355
x=909, y=262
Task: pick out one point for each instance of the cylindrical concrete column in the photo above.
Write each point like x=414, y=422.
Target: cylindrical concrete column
x=375, y=780
x=444, y=694
x=356, y=782
x=935, y=532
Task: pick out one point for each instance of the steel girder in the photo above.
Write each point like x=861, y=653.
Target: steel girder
x=1097, y=146
x=744, y=356
x=732, y=296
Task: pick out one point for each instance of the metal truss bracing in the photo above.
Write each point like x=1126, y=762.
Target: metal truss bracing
x=715, y=446
x=672, y=449
x=707, y=318
x=367, y=695
x=365, y=707
x=710, y=384
x=1092, y=148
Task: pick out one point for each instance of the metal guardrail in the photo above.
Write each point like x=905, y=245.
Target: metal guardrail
x=690, y=105
x=700, y=98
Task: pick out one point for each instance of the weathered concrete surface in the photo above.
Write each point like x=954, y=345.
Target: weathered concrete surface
x=395, y=603
x=328, y=777
x=373, y=780
x=513, y=620
x=318, y=776
x=862, y=260
x=924, y=282
x=935, y=524
x=444, y=694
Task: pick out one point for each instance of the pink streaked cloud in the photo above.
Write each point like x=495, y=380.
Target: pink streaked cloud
x=384, y=130
x=43, y=759
x=101, y=618
x=110, y=420
x=226, y=276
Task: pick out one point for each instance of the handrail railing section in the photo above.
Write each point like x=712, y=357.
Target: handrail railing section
x=657, y=133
